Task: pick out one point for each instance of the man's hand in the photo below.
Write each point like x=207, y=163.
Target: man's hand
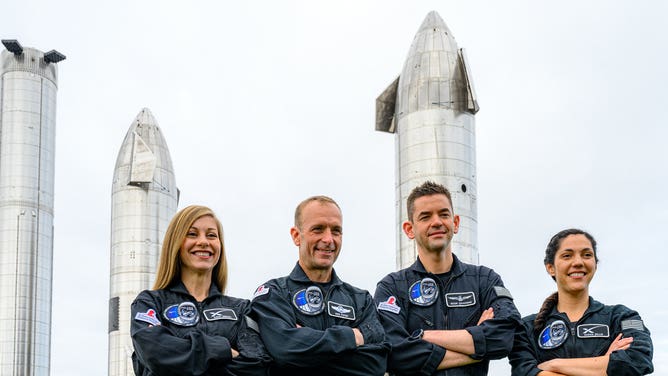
x=486, y=315
x=359, y=338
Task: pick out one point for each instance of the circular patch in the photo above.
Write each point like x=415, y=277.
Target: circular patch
x=184, y=314
x=424, y=292
x=309, y=300
x=553, y=336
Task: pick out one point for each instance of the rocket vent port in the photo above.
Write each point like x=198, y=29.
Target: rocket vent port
x=113, y=314
x=464, y=188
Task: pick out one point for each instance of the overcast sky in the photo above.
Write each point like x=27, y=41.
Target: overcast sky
x=264, y=103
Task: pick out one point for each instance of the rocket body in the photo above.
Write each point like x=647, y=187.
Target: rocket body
x=28, y=87
x=144, y=199
x=431, y=108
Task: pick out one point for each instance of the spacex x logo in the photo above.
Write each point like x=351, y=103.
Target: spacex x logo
x=593, y=331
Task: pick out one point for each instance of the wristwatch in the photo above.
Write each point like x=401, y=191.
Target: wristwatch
x=417, y=334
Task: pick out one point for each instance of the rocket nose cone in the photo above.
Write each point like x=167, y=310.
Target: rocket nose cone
x=434, y=21
x=145, y=117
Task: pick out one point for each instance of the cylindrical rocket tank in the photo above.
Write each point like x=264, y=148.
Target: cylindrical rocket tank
x=28, y=86
x=431, y=109
x=144, y=198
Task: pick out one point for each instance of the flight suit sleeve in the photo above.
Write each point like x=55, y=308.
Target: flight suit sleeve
x=253, y=357
x=523, y=359
x=408, y=355
x=637, y=359
x=371, y=357
x=163, y=353
x=493, y=339
x=289, y=344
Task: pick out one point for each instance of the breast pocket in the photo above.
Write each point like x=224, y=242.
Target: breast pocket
x=463, y=309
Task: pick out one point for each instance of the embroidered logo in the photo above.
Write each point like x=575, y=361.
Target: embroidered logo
x=632, y=324
x=309, y=301
x=424, y=292
x=262, y=290
x=184, y=314
x=341, y=311
x=148, y=316
x=460, y=299
x=593, y=331
x=220, y=314
x=389, y=305
x=553, y=336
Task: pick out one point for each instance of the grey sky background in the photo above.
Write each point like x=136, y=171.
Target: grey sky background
x=264, y=103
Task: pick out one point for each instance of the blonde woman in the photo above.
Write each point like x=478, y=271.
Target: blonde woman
x=186, y=325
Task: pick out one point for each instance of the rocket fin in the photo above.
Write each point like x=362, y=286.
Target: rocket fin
x=385, y=108
x=143, y=162
x=472, y=102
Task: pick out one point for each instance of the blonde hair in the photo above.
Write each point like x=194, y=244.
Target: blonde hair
x=169, y=266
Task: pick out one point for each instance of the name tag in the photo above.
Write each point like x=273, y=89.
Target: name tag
x=593, y=331
x=460, y=299
x=341, y=311
x=220, y=314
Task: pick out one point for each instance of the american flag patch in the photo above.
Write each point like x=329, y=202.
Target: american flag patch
x=632, y=324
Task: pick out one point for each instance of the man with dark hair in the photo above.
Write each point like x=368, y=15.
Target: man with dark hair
x=442, y=314
x=311, y=322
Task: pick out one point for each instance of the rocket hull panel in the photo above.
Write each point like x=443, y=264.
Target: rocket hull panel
x=27, y=163
x=144, y=199
x=435, y=132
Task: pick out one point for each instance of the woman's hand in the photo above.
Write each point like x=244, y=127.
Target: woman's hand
x=235, y=353
x=619, y=344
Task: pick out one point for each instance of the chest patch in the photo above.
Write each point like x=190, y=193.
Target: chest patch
x=423, y=292
x=341, y=311
x=184, y=314
x=593, y=331
x=220, y=314
x=309, y=301
x=390, y=305
x=553, y=336
x=460, y=299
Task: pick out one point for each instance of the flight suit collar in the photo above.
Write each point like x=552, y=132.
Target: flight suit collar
x=179, y=288
x=298, y=275
x=456, y=269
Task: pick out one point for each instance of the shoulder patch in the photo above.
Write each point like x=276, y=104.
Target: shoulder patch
x=502, y=291
x=262, y=290
x=148, y=316
x=632, y=324
x=252, y=324
x=390, y=305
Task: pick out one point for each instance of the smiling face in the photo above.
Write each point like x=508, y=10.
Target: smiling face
x=318, y=236
x=574, y=265
x=433, y=224
x=200, y=250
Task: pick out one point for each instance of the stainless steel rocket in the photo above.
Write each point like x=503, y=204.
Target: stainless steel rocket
x=143, y=200
x=28, y=87
x=431, y=108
